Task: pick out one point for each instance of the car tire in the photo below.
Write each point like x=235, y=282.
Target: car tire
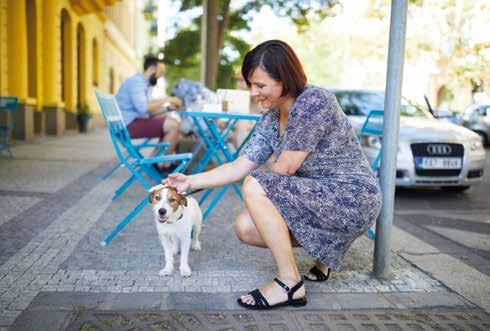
x=484, y=138
x=455, y=189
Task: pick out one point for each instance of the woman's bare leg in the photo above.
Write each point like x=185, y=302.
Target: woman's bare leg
x=275, y=234
x=323, y=268
x=248, y=233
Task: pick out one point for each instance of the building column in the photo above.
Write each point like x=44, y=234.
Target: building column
x=39, y=122
x=54, y=115
x=17, y=68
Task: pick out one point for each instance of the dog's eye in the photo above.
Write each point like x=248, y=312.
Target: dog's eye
x=171, y=200
x=157, y=198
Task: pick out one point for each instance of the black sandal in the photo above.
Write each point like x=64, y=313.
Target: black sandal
x=261, y=303
x=320, y=276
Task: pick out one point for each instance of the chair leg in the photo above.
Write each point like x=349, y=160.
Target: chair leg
x=123, y=187
x=10, y=152
x=125, y=221
x=214, y=202
x=112, y=171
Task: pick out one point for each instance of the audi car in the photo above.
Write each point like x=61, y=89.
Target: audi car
x=430, y=152
x=477, y=118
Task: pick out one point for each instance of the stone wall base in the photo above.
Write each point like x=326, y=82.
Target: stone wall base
x=24, y=122
x=71, y=121
x=39, y=123
x=55, y=121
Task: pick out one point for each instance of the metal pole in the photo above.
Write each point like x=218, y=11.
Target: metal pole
x=391, y=126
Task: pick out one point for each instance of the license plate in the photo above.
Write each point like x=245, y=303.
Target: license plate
x=438, y=162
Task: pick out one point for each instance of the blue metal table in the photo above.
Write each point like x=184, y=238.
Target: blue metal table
x=213, y=140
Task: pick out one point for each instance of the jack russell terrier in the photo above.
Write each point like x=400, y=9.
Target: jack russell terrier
x=176, y=217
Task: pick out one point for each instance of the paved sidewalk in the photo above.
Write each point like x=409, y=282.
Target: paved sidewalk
x=55, y=210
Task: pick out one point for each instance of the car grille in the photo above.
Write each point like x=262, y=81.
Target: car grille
x=421, y=150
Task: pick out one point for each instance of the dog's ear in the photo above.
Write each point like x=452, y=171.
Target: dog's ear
x=150, y=197
x=182, y=200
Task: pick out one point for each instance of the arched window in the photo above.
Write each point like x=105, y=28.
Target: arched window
x=32, y=47
x=95, y=63
x=65, y=54
x=81, y=65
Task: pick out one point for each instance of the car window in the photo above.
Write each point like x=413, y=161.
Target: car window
x=362, y=102
x=483, y=110
x=412, y=109
x=359, y=103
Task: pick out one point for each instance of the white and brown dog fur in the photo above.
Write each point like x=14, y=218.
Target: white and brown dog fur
x=176, y=217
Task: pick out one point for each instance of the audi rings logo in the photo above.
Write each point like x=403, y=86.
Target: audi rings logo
x=440, y=149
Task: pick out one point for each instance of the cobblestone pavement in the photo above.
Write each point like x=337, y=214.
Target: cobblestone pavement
x=55, y=210
x=281, y=320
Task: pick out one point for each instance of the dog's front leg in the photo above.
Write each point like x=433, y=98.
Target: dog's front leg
x=185, y=245
x=169, y=257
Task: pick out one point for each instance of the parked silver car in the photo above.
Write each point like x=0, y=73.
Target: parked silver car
x=477, y=118
x=430, y=152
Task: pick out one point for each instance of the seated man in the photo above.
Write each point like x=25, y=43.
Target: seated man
x=139, y=112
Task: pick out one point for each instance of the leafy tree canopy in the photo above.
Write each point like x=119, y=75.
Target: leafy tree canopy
x=182, y=53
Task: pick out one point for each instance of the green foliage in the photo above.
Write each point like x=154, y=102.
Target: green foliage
x=182, y=53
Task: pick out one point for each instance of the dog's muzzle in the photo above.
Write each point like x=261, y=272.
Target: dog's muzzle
x=162, y=215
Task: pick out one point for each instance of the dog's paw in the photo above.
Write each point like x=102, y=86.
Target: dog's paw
x=166, y=272
x=185, y=271
x=196, y=245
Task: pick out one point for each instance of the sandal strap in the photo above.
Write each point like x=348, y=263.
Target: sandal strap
x=320, y=276
x=289, y=290
x=259, y=299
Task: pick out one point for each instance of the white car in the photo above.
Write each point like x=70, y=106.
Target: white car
x=477, y=118
x=430, y=152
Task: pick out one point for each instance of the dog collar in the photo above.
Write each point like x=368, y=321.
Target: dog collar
x=178, y=219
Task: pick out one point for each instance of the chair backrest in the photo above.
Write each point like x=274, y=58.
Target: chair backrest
x=373, y=125
x=8, y=103
x=115, y=123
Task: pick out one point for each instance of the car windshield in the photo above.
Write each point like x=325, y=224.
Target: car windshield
x=362, y=102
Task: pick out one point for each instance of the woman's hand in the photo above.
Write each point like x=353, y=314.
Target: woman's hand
x=178, y=181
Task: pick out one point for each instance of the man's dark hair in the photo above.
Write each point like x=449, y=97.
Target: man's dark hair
x=279, y=61
x=150, y=60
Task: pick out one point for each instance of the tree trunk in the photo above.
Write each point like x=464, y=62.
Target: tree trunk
x=215, y=36
x=209, y=44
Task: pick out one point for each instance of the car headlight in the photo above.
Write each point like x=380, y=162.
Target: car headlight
x=476, y=145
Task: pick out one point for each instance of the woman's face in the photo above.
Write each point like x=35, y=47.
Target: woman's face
x=265, y=89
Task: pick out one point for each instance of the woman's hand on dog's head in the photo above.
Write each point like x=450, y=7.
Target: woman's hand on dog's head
x=178, y=181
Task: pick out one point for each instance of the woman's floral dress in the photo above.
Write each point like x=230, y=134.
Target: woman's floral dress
x=333, y=197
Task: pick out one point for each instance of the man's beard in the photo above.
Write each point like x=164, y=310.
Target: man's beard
x=153, y=79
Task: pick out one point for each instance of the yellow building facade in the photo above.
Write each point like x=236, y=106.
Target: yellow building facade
x=55, y=53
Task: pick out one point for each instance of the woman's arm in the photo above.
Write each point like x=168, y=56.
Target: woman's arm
x=225, y=174
x=289, y=162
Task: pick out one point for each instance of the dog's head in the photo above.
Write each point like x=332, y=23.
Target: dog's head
x=168, y=204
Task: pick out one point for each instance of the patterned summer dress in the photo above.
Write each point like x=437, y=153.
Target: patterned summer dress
x=334, y=197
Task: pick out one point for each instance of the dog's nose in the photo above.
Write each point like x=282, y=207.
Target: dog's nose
x=162, y=211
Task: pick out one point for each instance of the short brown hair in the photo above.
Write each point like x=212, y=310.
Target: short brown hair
x=281, y=63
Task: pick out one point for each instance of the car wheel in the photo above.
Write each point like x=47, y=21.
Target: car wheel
x=455, y=189
x=483, y=137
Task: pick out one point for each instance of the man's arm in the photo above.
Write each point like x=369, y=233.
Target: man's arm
x=139, y=98
x=155, y=105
